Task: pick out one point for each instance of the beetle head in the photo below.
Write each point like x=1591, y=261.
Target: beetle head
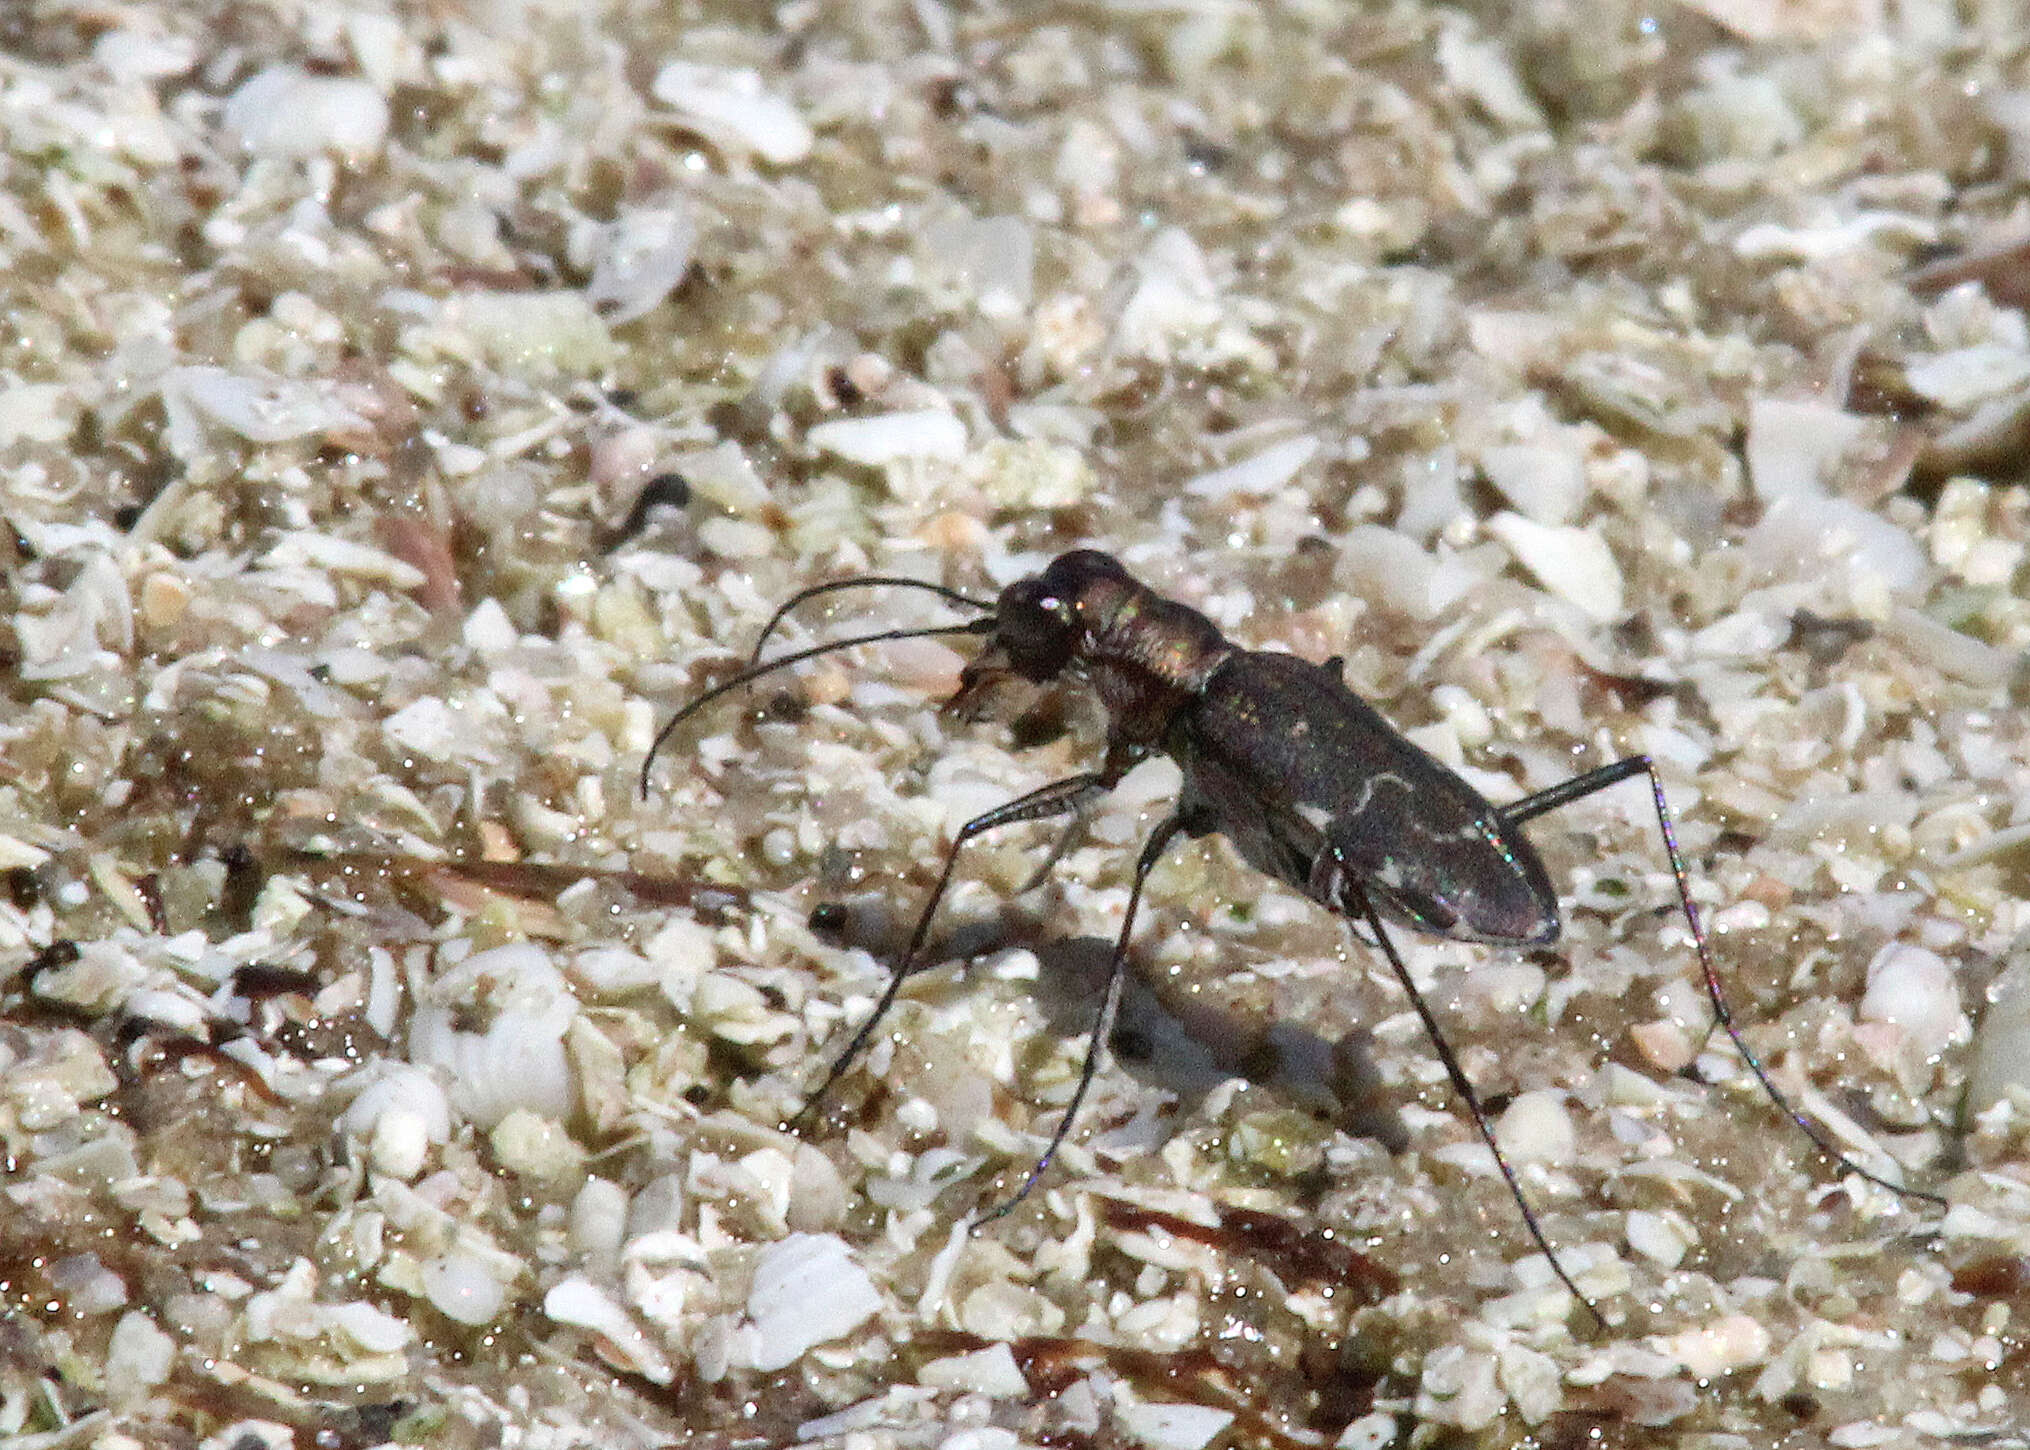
x=1040, y=623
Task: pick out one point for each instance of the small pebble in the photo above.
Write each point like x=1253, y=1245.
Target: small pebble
x=462, y=1288
x=1725, y=1344
x=1536, y=1128
x=1915, y=989
x=1662, y=1238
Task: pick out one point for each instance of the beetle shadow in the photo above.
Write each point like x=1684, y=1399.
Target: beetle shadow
x=1167, y=1037
x=1186, y=1044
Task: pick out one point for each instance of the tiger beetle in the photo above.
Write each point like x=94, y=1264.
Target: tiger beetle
x=1310, y=784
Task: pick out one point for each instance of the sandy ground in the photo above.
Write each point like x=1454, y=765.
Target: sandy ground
x=404, y=407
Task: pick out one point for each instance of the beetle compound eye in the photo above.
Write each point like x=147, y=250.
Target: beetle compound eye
x=1034, y=628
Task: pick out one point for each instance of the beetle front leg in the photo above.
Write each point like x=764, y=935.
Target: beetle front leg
x=1060, y=797
x=1103, y=1028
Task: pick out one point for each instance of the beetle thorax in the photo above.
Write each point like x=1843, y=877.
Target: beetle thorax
x=1145, y=655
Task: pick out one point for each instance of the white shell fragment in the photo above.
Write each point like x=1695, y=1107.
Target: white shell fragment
x=518, y=1063
x=140, y=1355
x=1171, y=1426
x=2001, y=1055
x=888, y=437
x=732, y=109
x=368, y=1326
x=1482, y=70
x=1397, y=571
x=349, y=1342
x=259, y=409
x=36, y=412
x=1458, y=1387
x=1806, y=538
x=1828, y=237
x=1966, y=376
x=1545, y=482
x=1262, y=473
x=400, y=1145
x=1572, y=563
x=1662, y=1238
x=991, y=1371
x=738, y=1011
x=540, y=333
x=579, y=1302
x=638, y=259
x=536, y=1147
x=599, y=1219
x=1793, y=444
x=613, y=971
x=302, y=548
x=286, y=112
x=1174, y=297
x=139, y=51
x=989, y=261
x=808, y=1290
x=401, y=1111
x=430, y=727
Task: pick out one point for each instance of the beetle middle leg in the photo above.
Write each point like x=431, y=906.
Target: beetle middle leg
x=1581, y=786
x=1059, y=798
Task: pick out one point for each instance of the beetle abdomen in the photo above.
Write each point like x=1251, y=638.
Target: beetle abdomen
x=1314, y=787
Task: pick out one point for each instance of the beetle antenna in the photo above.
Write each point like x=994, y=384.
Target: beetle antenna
x=859, y=581
x=982, y=625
